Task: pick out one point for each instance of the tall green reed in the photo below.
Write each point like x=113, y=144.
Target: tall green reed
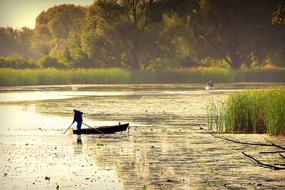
x=253, y=111
x=10, y=76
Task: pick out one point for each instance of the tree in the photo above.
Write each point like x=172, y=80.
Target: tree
x=278, y=16
x=8, y=41
x=17, y=62
x=278, y=48
x=46, y=62
x=15, y=41
x=147, y=34
x=138, y=13
x=178, y=47
x=54, y=26
x=234, y=30
x=123, y=35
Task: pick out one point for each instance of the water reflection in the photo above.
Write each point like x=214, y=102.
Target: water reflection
x=79, y=141
x=78, y=145
x=165, y=148
x=180, y=158
x=151, y=159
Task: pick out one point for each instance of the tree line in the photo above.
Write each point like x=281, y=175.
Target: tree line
x=151, y=34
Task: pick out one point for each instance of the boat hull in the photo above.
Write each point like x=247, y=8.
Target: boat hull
x=103, y=130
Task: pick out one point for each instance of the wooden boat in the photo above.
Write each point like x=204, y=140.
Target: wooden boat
x=103, y=130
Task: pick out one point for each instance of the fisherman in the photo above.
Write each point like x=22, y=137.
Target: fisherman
x=78, y=118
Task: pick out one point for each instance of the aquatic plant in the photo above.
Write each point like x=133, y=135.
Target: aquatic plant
x=56, y=76
x=252, y=111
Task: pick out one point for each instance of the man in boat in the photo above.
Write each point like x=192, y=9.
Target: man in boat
x=78, y=119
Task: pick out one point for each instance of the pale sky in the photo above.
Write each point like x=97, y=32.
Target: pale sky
x=19, y=13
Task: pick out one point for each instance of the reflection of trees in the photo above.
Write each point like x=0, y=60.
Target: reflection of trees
x=152, y=159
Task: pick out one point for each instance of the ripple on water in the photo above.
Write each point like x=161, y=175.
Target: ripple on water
x=165, y=149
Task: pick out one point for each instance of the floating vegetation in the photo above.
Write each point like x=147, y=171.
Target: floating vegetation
x=253, y=111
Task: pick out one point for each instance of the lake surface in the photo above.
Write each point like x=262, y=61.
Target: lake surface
x=164, y=149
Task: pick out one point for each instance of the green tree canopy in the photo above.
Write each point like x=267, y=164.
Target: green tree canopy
x=151, y=34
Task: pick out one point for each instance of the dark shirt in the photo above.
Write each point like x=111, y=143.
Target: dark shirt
x=78, y=116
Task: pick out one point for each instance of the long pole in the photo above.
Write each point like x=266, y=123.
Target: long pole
x=67, y=128
x=93, y=128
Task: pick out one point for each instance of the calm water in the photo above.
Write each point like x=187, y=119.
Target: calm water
x=165, y=147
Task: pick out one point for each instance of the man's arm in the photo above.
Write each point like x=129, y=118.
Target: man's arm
x=73, y=119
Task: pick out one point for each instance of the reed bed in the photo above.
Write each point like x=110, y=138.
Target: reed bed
x=253, y=111
x=15, y=77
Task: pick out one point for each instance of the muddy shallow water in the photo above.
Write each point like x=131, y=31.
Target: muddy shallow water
x=164, y=149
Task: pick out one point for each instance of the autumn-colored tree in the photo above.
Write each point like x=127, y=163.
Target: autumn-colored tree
x=54, y=25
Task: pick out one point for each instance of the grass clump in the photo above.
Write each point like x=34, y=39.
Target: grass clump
x=254, y=111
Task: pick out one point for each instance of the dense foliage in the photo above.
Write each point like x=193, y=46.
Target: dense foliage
x=155, y=34
x=17, y=62
x=47, y=61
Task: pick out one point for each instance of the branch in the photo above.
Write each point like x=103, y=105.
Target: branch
x=143, y=7
x=282, y=156
x=273, y=144
x=236, y=141
x=272, y=152
x=248, y=143
x=279, y=164
x=263, y=164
